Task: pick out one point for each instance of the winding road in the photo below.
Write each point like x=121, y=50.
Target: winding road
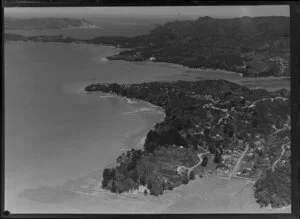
x=282, y=153
x=200, y=161
x=189, y=169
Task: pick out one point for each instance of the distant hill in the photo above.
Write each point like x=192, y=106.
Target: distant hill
x=45, y=23
x=254, y=46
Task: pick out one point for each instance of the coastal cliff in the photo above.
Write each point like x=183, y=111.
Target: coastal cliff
x=200, y=136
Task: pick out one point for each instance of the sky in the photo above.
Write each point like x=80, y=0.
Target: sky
x=214, y=11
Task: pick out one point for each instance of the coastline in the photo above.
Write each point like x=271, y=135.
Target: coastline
x=137, y=140
x=168, y=64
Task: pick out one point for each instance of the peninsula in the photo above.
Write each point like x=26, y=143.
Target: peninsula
x=45, y=23
x=211, y=127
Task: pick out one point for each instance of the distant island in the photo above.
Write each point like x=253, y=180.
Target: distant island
x=211, y=127
x=253, y=46
x=45, y=23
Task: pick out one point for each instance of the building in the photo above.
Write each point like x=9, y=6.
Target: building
x=181, y=170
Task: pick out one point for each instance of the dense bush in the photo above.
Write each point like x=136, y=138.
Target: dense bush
x=274, y=188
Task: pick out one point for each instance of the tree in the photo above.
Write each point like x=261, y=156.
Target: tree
x=254, y=123
x=106, y=173
x=133, y=174
x=113, y=173
x=123, y=92
x=211, y=148
x=157, y=188
x=192, y=175
x=113, y=187
x=185, y=179
x=106, y=177
x=230, y=133
x=115, y=88
x=218, y=143
x=177, y=124
x=149, y=184
x=143, y=180
x=164, y=185
x=204, y=161
x=206, y=132
x=145, y=192
x=218, y=157
x=151, y=141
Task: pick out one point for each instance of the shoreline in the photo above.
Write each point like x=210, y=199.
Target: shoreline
x=167, y=64
x=139, y=137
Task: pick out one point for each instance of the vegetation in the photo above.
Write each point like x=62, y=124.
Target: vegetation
x=155, y=170
x=192, y=175
x=204, y=161
x=275, y=187
x=201, y=116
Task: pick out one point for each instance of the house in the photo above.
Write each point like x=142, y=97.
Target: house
x=181, y=170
